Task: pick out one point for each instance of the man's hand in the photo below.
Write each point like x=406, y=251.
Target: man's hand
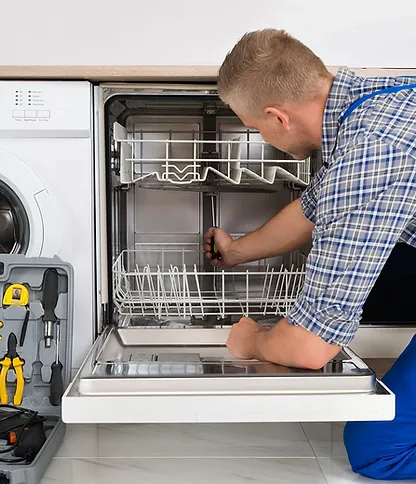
x=224, y=243
x=243, y=339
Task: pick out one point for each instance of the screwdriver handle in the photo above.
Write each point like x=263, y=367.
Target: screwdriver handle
x=215, y=253
x=50, y=294
x=57, y=384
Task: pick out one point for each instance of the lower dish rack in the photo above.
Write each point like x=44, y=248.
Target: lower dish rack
x=164, y=281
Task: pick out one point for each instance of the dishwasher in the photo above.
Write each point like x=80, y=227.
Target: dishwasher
x=172, y=161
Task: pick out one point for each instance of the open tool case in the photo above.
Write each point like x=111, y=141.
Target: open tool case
x=18, y=269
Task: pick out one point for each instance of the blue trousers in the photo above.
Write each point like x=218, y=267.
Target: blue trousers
x=387, y=450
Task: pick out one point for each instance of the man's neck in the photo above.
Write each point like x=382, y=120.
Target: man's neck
x=309, y=115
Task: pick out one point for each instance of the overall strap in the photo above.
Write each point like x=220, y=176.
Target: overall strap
x=375, y=93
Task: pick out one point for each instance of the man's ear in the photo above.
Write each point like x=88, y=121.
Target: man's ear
x=279, y=115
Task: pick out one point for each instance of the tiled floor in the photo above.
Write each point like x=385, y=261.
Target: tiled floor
x=220, y=453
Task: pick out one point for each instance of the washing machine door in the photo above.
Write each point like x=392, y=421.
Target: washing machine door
x=26, y=209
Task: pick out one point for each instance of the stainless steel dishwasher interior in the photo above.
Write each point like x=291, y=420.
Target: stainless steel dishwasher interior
x=174, y=156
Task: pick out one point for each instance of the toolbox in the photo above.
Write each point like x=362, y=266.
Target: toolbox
x=27, y=286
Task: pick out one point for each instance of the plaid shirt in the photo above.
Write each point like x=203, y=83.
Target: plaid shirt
x=362, y=202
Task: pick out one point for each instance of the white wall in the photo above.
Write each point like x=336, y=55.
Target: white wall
x=370, y=33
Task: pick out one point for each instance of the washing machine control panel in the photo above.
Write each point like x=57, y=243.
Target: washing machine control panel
x=51, y=108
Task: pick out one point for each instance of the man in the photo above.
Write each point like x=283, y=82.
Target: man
x=359, y=206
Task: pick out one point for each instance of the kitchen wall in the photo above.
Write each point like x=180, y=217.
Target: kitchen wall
x=371, y=33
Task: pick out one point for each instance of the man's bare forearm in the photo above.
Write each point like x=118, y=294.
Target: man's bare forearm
x=294, y=346
x=285, y=232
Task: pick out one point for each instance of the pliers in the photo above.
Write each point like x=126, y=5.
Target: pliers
x=12, y=360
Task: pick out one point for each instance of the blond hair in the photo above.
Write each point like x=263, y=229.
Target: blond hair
x=268, y=67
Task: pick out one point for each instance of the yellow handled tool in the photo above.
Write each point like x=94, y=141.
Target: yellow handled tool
x=12, y=360
x=16, y=295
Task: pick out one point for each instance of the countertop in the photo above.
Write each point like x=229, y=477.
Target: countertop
x=150, y=73
x=111, y=73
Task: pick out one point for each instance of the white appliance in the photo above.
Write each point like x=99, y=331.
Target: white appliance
x=46, y=184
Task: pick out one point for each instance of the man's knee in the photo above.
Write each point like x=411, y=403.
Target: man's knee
x=387, y=450
x=380, y=450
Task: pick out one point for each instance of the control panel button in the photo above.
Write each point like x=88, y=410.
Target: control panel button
x=30, y=114
x=18, y=114
x=44, y=114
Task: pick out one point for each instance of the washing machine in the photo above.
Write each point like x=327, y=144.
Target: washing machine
x=46, y=183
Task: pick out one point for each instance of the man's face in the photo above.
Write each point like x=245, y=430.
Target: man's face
x=289, y=138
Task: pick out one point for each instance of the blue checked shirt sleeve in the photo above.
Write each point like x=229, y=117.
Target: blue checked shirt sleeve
x=308, y=197
x=364, y=204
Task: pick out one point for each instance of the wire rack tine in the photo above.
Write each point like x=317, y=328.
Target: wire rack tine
x=269, y=275
x=174, y=296
x=275, y=298
x=200, y=299
x=139, y=277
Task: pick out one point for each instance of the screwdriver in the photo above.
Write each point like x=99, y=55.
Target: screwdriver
x=49, y=301
x=215, y=253
x=57, y=384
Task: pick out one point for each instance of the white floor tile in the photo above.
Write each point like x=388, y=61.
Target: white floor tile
x=195, y=440
x=337, y=470
x=184, y=471
x=326, y=438
x=60, y=471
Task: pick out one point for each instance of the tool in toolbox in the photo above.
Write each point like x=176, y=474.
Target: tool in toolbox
x=12, y=360
x=215, y=253
x=49, y=301
x=57, y=384
x=24, y=432
x=18, y=295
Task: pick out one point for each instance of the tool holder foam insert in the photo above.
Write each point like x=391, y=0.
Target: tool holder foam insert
x=38, y=359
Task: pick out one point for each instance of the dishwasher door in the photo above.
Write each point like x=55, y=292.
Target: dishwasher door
x=135, y=375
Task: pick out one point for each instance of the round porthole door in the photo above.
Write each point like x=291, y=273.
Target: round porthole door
x=14, y=222
x=21, y=219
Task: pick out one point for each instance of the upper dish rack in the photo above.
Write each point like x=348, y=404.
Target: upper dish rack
x=163, y=281
x=179, y=159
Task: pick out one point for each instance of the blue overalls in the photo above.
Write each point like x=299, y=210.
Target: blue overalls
x=387, y=450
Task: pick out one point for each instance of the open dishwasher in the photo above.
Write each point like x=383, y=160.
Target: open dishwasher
x=173, y=161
